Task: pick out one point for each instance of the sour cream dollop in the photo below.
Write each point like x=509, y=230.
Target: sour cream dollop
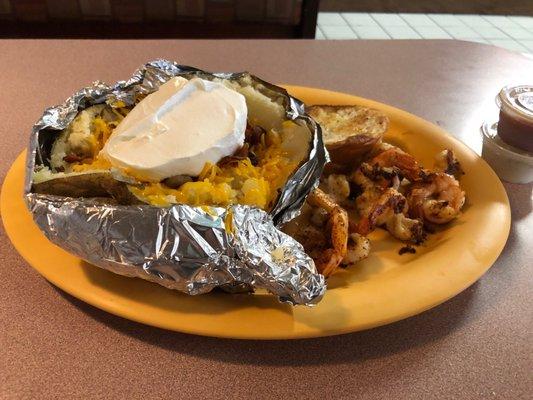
x=177, y=129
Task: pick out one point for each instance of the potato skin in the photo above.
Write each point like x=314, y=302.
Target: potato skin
x=87, y=184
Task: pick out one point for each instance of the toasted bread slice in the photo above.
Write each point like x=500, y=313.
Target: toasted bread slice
x=349, y=132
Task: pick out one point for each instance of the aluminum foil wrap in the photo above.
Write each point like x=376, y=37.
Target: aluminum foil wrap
x=190, y=249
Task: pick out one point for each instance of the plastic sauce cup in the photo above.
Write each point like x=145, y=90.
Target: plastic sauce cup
x=510, y=163
x=515, y=126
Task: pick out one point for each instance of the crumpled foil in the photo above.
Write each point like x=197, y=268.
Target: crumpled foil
x=190, y=249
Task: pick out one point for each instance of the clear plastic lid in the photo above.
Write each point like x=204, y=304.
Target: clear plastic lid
x=518, y=99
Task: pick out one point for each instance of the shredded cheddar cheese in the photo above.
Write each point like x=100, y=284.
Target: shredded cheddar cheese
x=99, y=163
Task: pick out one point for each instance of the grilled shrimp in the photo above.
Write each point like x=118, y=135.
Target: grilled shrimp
x=337, y=185
x=319, y=198
x=358, y=249
x=406, y=229
x=437, y=199
x=389, y=202
x=329, y=259
x=398, y=160
x=446, y=161
x=389, y=210
x=385, y=170
x=372, y=190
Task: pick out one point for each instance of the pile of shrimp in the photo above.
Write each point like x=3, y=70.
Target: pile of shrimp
x=390, y=189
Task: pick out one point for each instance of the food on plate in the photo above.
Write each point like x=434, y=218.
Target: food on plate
x=323, y=229
x=75, y=149
x=166, y=149
x=193, y=141
x=349, y=131
x=398, y=193
x=379, y=185
x=446, y=162
x=180, y=177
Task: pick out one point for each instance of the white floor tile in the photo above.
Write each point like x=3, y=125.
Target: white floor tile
x=474, y=21
x=359, y=19
x=461, y=32
x=330, y=19
x=511, y=32
x=509, y=44
x=416, y=20
x=401, y=32
x=389, y=19
x=528, y=44
x=500, y=21
x=338, y=32
x=525, y=22
x=371, y=32
x=518, y=33
x=432, y=32
x=329, y=30
x=489, y=32
x=446, y=20
x=319, y=34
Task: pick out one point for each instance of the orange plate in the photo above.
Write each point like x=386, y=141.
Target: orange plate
x=382, y=289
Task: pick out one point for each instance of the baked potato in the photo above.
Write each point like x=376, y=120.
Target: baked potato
x=275, y=147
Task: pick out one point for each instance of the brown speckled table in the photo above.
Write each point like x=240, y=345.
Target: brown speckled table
x=478, y=345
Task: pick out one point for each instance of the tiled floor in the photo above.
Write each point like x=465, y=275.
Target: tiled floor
x=511, y=32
